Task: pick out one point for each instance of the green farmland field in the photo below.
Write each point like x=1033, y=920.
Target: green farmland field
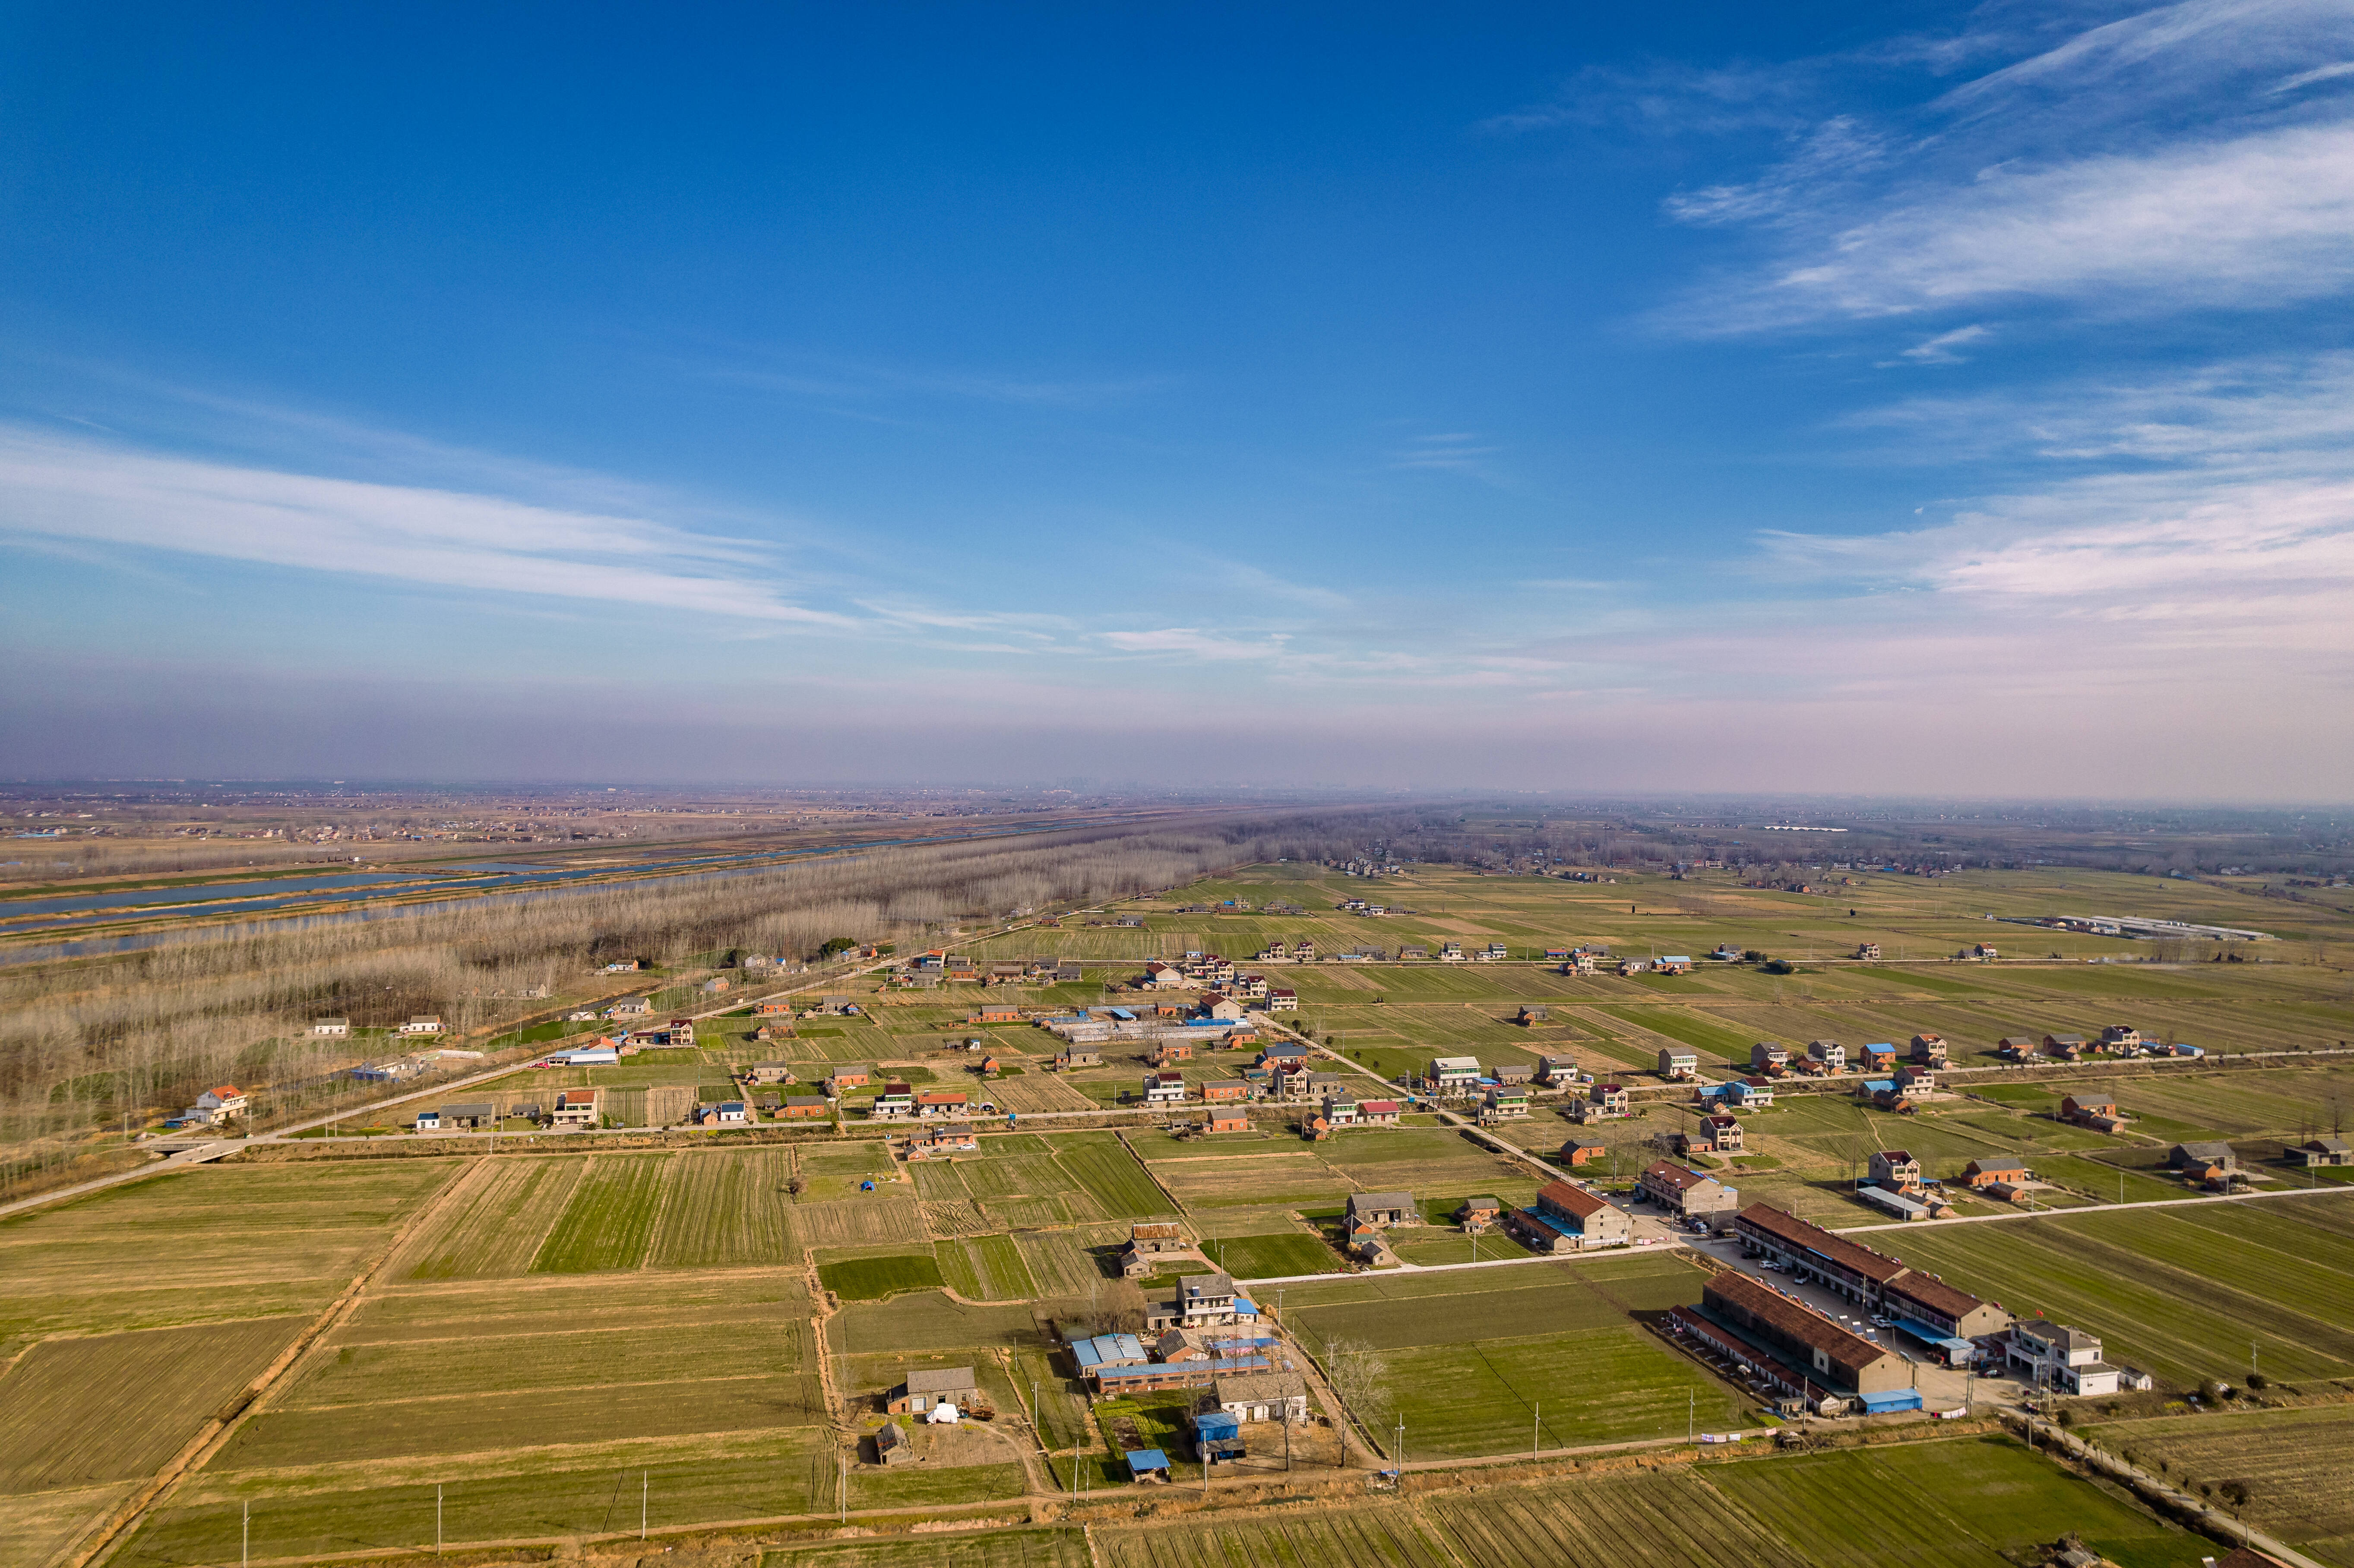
x=1110, y=1175
x=1272, y=1256
x=609, y=1217
x=873, y=1278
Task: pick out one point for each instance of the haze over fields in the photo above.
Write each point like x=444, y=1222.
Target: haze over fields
x=1843, y=397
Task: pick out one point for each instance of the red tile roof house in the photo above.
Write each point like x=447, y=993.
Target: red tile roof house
x=941, y=1102
x=1571, y=1218
x=1721, y=1133
x=1688, y=1193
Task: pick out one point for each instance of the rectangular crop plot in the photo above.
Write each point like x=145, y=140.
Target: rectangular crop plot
x=1667, y=1521
x=114, y=1407
x=1048, y=1546
x=2290, y=1461
x=727, y=1211
x=1390, y=1536
x=927, y=1321
x=873, y=1278
x=1272, y=1256
x=1108, y=1173
x=986, y=1268
x=609, y=1217
x=498, y=1424
x=492, y=1228
x=1970, y=1503
x=869, y=1220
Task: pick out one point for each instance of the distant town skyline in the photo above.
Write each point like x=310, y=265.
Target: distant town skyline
x=1933, y=400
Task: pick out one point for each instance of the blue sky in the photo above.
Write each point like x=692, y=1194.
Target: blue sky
x=1914, y=397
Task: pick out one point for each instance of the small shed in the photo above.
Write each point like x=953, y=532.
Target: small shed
x=1147, y=1465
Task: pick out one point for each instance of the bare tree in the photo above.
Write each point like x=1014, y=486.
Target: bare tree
x=1360, y=1378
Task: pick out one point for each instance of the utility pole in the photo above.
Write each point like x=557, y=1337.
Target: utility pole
x=437, y=1519
x=645, y=1494
x=1692, y=1412
x=1536, y=1424
x=1401, y=1447
x=245, y=1537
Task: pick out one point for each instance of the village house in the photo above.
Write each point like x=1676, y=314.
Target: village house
x=1578, y=964
x=1688, y=1194
x=1767, y=1057
x=849, y=1075
x=1580, y=1151
x=1511, y=1072
x=1478, y=1213
x=1720, y=1134
x=770, y=1072
x=891, y=1446
x=1750, y=1094
x=1567, y=1218
x=942, y=1103
x=1987, y=950
x=2084, y=1108
x=1164, y=1088
x=1679, y=1062
x=1531, y=1013
x=1204, y=1300
x=1280, y=1000
x=1936, y=1313
x=927, y=1390
x=1452, y=1075
x=1555, y=1071
x=1988, y=1172
x=805, y=1107
x=1828, y=1056
x=1674, y=964
x=1867, y=950
x=1227, y=1118
x=2320, y=1152
x=1377, y=1113
x=1915, y=1079
x=943, y=1139
x=2015, y=1047
x=474, y=1117
x=631, y=1007
x=330, y=1028
x=1262, y=1396
x=220, y=1103
x=895, y=1101
x=1894, y=1167
x=1633, y=965
x=1226, y=1091
x=1929, y=1050
x=1611, y=1099
x=424, y=1024
x=1879, y=1058
x=1000, y=1012
x=577, y=1107
x=1381, y=1209
x=2064, y=1048
x=1075, y=1055
x=1502, y=1104
x=2052, y=1355
x=1801, y=1350
x=1170, y=1050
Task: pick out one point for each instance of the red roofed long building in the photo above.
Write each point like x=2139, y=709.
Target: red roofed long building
x=1869, y=1278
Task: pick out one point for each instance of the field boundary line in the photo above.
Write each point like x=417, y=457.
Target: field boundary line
x=215, y=1435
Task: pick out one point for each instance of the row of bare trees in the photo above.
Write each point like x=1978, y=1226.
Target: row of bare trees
x=88, y=1045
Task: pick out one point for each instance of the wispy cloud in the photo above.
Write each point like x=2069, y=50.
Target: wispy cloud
x=2145, y=166
x=1940, y=349
x=1454, y=451
x=852, y=382
x=2333, y=72
x=63, y=487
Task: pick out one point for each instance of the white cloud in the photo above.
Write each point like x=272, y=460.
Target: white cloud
x=1939, y=350
x=62, y=487
x=2262, y=220
x=2319, y=73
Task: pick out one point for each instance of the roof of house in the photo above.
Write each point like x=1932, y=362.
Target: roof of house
x=1898, y=1157
x=1668, y=1173
x=940, y=1380
x=1572, y=1199
x=1934, y=1292
x=1478, y=1203
x=2058, y=1334
x=1721, y=1122
x=2206, y=1149
x=1377, y=1107
x=1847, y=1255
x=1996, y=1167
x=1249, y=1388
x=1380, y=1201
x=1849, y=1354
x=2326, y=1145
